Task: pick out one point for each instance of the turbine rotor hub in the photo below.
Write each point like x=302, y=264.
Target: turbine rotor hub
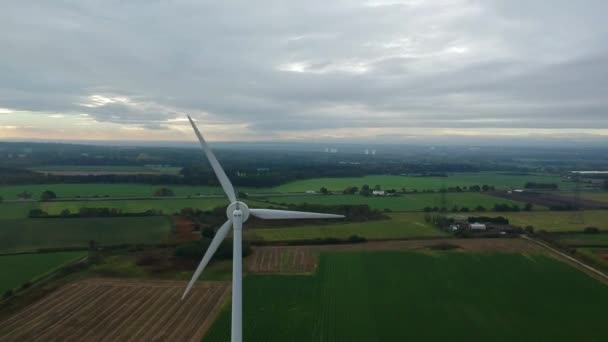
x=238, y=205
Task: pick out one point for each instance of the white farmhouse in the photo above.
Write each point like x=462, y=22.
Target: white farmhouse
x=477, y=226
x=378, y=193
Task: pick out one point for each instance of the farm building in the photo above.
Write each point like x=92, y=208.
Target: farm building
x=378, y=193
x=477, y=226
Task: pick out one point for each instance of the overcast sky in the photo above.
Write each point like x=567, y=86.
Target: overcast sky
x=377, y=70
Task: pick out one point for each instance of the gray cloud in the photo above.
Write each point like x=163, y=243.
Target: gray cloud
x=278, y=66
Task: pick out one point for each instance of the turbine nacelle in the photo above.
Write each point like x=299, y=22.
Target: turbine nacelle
x=238, y=205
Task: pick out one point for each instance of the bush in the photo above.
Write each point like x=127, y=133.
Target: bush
x=529, y=229
x=356, y=239
x=591, y=230
x=38, y=213
x=196, y=249
x=47, y=196
x=26, y=285
x=164, y=192
x=148, y=260
x=7, y=294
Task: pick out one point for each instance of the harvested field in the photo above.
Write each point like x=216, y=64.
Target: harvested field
x=550, y=200
x=116, y=310
x=282, y=260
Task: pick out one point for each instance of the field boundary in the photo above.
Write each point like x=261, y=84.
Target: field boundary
x=577, y=263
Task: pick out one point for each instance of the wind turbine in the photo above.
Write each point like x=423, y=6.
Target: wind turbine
x=238, y=213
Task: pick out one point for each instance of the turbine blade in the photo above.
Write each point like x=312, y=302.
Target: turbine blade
x=270, y=214
x=215, y=243
x=217, y=168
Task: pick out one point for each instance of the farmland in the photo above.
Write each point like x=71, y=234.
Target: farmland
x=166, y=206
x=499, y=180
x=114, y=310
x=401, y=225
x=100, y=190
x=560, y=221
x=282, y=260
x=405, y=296
x=581, y=239
x=34, y=234
x=406, y=202
x=21, y=268
x=106, y=169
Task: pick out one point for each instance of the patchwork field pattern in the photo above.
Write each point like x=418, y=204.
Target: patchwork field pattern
x=298, y=260
x=113, y=310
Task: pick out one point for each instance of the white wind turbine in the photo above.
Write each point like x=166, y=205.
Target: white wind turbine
x=238, y=212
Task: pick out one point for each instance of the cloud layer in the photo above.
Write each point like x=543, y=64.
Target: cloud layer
x=275, y=69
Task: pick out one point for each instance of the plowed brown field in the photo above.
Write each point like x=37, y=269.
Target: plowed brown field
x=282, y=260
x=117, y=310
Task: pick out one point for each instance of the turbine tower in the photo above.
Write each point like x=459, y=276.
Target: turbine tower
x=238, y=213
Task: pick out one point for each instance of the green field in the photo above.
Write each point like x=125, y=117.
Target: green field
x=559, y=221
x=596, y=196
x=111, y=190
x=401, y=226
x=581, y=239
x=499, y=180
x=16, y=210
x=400, y=296
x=408, y=202
x=107, y=169
x=167, y=206
x=33, y=234
x=21, y=268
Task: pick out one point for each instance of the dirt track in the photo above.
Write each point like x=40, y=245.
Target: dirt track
x=119, y=310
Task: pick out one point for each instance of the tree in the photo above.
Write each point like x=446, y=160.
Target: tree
x=365, y=190
x=65, y=213
x=243, y=195
x=47, y=195
x=480, y=208
x=377, y=187
x=164, y=192
x=529, y=229
x=485, y=187
x=324, y=191
x=351, y=190
x=528, y=207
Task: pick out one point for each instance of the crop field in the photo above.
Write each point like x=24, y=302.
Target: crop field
x=106, y=170
x=407, y=202
x=16, y=210
x=167, y=206
x=439, y=296
x=34, y=234
x=401, y=225
x=112, y=190
x=499, y=180
x=581, y=239
x=596, y=196
x=21, y=268
x=285, y=260
x=113, y=310
x=559, y=221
